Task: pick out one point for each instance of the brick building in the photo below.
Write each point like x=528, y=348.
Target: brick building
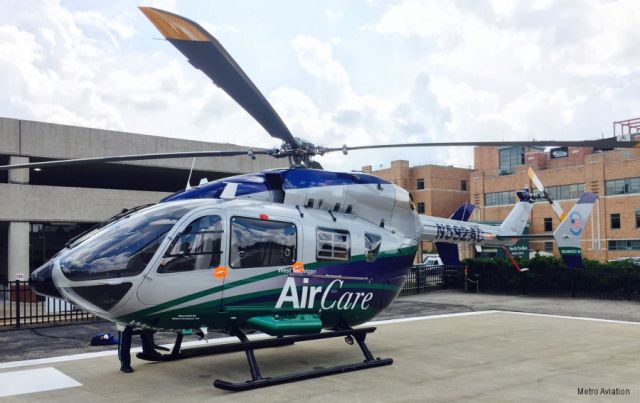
x=614, y=175
x=436, y=190
x=614, y=229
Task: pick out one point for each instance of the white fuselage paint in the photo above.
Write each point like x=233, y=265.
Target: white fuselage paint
x=383, y=210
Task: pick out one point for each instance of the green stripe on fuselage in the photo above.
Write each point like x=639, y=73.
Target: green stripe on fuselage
x=275, y=273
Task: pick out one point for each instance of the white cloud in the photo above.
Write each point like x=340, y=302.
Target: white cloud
x=339, y=114
x=316, y=58
x=519, y=70
x=468, y=71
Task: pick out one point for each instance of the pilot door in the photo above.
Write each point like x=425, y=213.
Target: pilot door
x=262, y=252
x=185, y=278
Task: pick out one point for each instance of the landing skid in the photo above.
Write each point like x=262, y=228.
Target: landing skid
x=258, y=381
x=248, y=346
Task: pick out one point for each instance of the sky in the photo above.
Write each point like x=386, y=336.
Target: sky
x=356, y=72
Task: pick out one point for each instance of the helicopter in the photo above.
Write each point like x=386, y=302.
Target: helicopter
x=298, y=253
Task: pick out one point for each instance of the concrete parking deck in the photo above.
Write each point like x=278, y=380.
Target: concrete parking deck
x=485, y=356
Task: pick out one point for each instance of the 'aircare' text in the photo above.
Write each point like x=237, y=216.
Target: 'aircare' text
x=348, y=300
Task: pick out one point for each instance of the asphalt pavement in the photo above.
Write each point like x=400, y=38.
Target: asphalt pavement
x=54, y=341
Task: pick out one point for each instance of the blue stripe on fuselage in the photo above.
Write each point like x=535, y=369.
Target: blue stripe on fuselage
x=296, y=178
x=310, y=178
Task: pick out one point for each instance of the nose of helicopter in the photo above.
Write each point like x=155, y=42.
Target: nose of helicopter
x=41, y=281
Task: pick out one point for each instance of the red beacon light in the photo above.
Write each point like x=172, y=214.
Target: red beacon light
x=263, y=217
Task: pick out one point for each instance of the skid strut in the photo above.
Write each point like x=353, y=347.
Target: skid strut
x=177, y=353
x=258, y=381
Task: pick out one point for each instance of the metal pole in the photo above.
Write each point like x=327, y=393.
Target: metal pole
x=17, y=304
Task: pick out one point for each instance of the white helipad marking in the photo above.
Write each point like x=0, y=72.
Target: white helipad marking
x=446, y=315
x=84, y=356
x=221, y=340
x=34, y=380
x=624, y=322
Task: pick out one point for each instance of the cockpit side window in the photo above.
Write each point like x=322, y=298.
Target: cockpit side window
x=198, y=247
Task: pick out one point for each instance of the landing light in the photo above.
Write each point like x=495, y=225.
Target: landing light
x=37, y=169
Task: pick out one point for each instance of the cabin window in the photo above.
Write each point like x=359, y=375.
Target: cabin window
x=262, y=243
x=372, y=244
x=198, y=247
x=332, y=244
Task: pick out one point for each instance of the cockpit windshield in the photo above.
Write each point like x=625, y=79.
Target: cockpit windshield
x=123, y=248
x=86, y=234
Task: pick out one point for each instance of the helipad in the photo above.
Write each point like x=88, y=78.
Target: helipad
x=487, y=356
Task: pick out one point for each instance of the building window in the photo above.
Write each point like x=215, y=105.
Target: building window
x=548, y=224
x=262, y=243
x=46, y=239
x=564, y=192
x=625, y=244
x=615, y=221
x=622, y=186
x=548, y=247
x=420, y=184
x=638, y=218
x=332, y=244
x=463, y=185
x=498, y=198
x=420, y=208
x=509, y=159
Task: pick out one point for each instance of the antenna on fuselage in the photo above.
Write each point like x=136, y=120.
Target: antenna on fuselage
x=190, y=172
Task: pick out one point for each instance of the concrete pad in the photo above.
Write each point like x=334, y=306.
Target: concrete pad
x=495, y=356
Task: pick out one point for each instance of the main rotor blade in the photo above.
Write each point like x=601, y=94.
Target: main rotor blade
x=207, y=54
x=135, y=157
x=606, y=143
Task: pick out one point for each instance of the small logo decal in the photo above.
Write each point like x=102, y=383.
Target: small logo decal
x=220, y=272
x=575, y=221
x=298, y=267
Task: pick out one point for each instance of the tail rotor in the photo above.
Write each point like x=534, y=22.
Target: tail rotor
x=557, y=209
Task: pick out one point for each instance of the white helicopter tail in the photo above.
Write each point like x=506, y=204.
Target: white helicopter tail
x=568, y=233
x=517, y=219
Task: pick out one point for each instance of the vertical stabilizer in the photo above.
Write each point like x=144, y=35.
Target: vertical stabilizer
x=568, y=233
x=517, y=219
x=463, y=212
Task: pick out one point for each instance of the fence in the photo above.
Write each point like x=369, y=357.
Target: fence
x=429, y=278
x=547, y=277
x=21, y=307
